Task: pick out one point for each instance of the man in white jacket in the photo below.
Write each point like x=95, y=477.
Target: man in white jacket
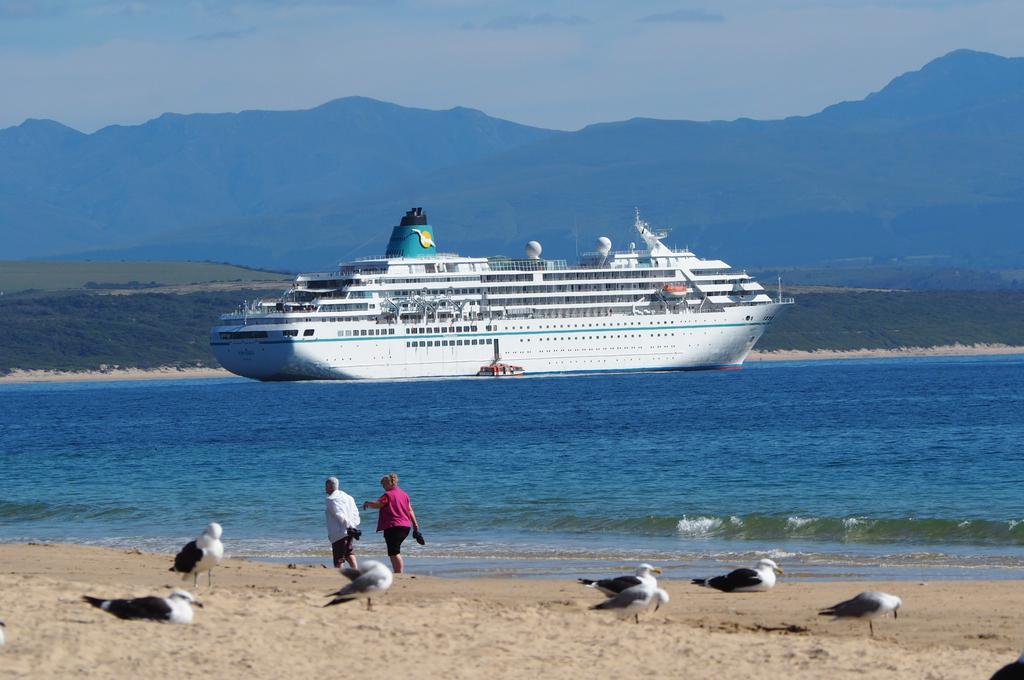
x=342, y=515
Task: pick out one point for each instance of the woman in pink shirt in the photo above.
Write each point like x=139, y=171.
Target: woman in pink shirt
x=396, y=518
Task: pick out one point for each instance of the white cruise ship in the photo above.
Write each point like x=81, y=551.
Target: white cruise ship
x=417, y=312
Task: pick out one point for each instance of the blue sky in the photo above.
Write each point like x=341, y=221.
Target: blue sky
x=90, y=63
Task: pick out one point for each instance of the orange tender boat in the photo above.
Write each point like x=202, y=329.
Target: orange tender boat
x=498, y=369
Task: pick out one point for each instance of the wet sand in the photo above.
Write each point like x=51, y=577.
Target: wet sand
x=264, y=620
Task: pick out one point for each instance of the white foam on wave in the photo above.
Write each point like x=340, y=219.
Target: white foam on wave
x=795, y=522
x=698, y=526
x=851, y=522
x=735, y=521
x=1014, y=523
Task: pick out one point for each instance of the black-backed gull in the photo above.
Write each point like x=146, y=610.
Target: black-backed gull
x=758, y=579
x=202, y=554
x=614, y=586
x=176, y=608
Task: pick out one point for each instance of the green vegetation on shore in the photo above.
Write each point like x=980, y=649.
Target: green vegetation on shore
x=83, y=331
x=887, y=320
x=22, y=275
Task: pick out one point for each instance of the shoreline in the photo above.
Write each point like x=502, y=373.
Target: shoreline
x=956, y=350
x=267, y=620
x=20, y=376
x=469, y=555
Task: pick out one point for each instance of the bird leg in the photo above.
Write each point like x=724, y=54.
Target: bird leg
x=195, y=580
x=209, y=579
x=637, y=617
x=369, y=604
x=871, y=627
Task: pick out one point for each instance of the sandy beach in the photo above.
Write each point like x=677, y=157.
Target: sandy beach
x=942, y=351
x=264, y=620
x=19, y=376
x=163, y=373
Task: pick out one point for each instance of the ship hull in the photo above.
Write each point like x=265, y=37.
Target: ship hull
x=645, y=342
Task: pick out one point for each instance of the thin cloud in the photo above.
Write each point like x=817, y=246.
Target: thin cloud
x=512, y=23
x=220, y=35
x=29, y=9
x=684, y=16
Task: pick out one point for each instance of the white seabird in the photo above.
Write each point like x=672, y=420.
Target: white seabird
x=202, y=554
x=756, y=580
x=1011, y=671
x=371, y=579
x=635, y=599
x=177, y=608
x=867, y=605
x=614, y=586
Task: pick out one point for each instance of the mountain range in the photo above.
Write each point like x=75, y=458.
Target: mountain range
x=929, y=167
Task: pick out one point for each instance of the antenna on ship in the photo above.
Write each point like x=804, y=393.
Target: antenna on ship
x=780, y=288
x=576, y=232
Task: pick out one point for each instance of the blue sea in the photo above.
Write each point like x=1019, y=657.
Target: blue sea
x=897, y=468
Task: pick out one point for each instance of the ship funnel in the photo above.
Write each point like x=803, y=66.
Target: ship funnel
x=413, y=237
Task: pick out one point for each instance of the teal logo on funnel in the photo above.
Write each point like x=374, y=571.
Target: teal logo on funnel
x=413, y=237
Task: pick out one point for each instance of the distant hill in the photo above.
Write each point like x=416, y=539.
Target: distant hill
x=929, y=166
x=124, y=185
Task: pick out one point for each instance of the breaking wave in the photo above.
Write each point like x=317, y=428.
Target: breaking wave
x=855, y=529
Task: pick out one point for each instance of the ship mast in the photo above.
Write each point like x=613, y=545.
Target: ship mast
x=650, y=237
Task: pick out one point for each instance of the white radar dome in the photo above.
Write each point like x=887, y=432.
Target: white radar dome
x=533, y=250
x=604, y=245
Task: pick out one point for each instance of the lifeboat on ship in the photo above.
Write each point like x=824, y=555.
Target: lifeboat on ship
x=674, y=290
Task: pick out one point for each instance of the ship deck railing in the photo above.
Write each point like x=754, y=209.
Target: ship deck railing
x=264, y=316
x=501, y=264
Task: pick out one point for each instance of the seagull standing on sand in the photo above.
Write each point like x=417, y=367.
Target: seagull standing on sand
x=202, y=554
x=867, y=605
x=174, y=609
x=756, y=580
x=613, y=586
x=635, y=599
x=1011, y=671
x=372, y=578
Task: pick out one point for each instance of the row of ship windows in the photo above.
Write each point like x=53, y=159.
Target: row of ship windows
x=440, y=329
x=587, y=325
x=250, y=335
x=605, y=337
x=614, y=274
x=371, y=331
x=450, y=343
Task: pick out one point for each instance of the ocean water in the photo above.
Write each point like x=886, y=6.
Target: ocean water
x=898, y=467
